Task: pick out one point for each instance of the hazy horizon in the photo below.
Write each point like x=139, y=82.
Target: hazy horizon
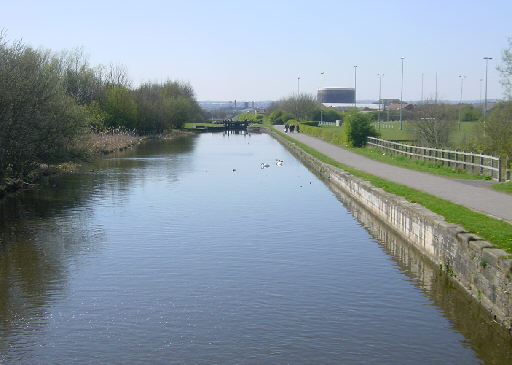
x=231, y=50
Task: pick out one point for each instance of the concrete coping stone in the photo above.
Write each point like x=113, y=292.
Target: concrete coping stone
x=467, y=237
x=479, y=245
x=493, y=255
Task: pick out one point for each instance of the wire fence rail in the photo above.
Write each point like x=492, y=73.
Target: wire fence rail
x=472, y=162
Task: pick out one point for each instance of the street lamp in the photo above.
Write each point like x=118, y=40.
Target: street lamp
x=481, y=80
x=380, y=94
x=462, y=77
x=485, y=104
x=321, y=105
x=298, y=86
x=355, y=86
x=402, y=93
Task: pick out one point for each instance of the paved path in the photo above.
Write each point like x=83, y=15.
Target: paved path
x=474, y=194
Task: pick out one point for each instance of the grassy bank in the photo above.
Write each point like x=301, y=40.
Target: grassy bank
x=495, y=231
x=504, y=187
x=336, y=136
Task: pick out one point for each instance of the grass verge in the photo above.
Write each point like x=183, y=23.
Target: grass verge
x=337, y=136
x=504, y=187
x=495, y=231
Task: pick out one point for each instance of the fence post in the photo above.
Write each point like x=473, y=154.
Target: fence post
x=481, y=164
x=499, y=169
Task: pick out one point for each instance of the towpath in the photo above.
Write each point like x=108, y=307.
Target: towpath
x=474, y=194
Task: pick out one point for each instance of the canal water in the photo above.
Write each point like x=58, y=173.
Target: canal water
x=190, y=252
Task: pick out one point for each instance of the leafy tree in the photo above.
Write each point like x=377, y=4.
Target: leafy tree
x=81, y=81
x=119, y=104
x=498, y=130
x=38, y=120
x=279, y=117
x=357, y=127
x=301, y=106
x=506, y=70
x=329, y=115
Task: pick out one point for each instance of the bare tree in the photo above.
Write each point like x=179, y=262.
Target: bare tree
x=433, y=124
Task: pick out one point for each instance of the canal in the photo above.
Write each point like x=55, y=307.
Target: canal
x=190, y=252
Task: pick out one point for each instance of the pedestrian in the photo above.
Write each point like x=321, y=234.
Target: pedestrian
x=286, y=128
x=298, y=129
x=292, y=127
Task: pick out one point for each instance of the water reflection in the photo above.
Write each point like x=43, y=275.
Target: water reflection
x=489, y=340
x=168, y=253
x=45, y=232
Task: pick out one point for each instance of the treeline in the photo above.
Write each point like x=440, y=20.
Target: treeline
x=49, y=101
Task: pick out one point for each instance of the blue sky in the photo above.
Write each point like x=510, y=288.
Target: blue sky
x=256, y=50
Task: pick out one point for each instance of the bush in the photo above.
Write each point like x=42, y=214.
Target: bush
x=279, y=117
x=357, y=127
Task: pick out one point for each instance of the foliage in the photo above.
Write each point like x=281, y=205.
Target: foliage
x=498, y=130
x=506, y=70
x=161, y=107
x=279, y=117
x=335, y=136
x=433, y=124
x=50, y=103
x=327, y=115
x=300, y=106
x=469, y=113
x=38, y=120
x=357, y=127
x=119, y=105
x=251, y=117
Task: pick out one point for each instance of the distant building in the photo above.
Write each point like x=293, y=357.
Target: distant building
x=397, y=106
x=336, y=95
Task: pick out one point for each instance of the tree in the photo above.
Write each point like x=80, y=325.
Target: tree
x=498, y=130
x=38, y=120
x=357, y=127
x=433, y=124
x=301, y=106
x=506, y=70
x=279, y=117
x=120, y=106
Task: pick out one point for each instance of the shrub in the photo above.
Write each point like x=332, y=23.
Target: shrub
x=357, y=127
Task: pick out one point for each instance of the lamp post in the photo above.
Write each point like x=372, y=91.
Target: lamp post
x=355, y=86
x=380, y=95
x=462, y=77
x=481, y=80
x=422, y=88
x=485, y=104
x=402, y=93
x=298, y=85
x=321, y=105
x=436, y=90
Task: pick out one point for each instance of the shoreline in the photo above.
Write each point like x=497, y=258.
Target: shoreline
x=99, y=145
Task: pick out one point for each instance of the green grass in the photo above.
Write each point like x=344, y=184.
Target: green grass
x=391, y=131
x=193, y=125
x=504, y=187
x=418, y=165
x=336, y=136
x=495, y=231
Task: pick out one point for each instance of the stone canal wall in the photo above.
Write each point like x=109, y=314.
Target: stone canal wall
x=483, y=271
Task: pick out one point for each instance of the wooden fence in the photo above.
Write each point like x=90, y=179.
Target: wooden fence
x=471, y=162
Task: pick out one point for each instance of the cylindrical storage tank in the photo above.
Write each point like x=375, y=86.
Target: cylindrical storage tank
x=336, y=95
